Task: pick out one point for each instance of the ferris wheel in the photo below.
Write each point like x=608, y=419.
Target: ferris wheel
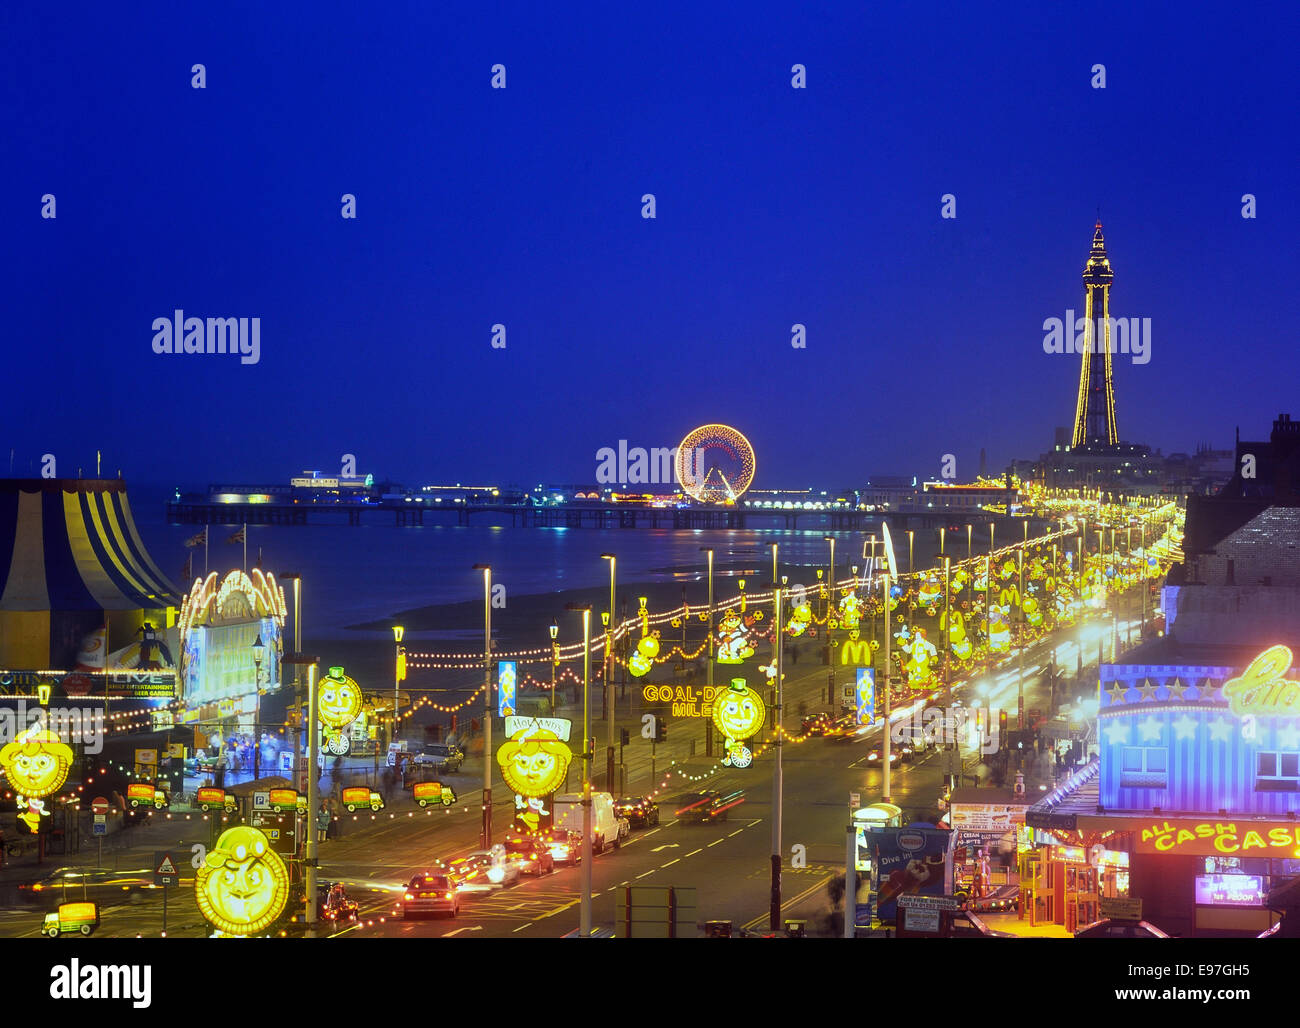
x=715, y=464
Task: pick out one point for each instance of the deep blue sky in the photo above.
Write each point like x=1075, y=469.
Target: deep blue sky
x=522, y=206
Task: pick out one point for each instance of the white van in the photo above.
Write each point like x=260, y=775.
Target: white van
x=607, y=828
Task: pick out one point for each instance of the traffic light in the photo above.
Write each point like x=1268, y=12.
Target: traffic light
x=623, y=736
x=1002, y=724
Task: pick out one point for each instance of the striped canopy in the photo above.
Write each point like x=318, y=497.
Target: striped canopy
x=72, y=545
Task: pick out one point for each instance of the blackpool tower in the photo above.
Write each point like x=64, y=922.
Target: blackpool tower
x=1094, y=418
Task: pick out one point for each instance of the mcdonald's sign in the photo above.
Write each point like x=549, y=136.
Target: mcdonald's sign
x=855, y=652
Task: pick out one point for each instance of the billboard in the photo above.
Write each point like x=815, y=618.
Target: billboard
x=910, y=861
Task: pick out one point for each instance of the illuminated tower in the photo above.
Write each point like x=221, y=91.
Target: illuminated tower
x=1094, y=418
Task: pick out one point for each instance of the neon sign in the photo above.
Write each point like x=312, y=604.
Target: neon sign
x=1210, y=837
x=1223, y=890
x=535, y=758
x=243, y=885
x=1261, y=690
x=687, y=700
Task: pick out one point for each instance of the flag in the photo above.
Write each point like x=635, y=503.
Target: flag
x=187, y=572
x=239, y=536
x=198, y=540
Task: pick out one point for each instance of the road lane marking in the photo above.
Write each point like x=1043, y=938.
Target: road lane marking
x=793, y=899
x=467, y=928
x=667, y=846
x=670, y=863
x=714, y=843
x=693, y=852
x=647, y=835
x=650, y=872
x=522, y=927
x=756, y=821
x=736, y=832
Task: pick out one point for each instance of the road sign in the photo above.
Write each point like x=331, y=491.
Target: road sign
x=262, y=800
x=99, y=828
x=165, y=869
x=101, y=819
x=99, y=805
x=855, y=800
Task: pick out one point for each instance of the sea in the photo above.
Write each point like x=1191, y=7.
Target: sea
x=357, y=579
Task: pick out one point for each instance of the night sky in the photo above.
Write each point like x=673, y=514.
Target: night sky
x=522, y=206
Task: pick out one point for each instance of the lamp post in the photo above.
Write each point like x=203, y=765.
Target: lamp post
x=555, y=630
x=884, y=793
x=259, y=650
x=969, y=530
x=399, y=660
x=708, y=722
x=911, y=600
x=774, y=920
x=585, y=923
x=486, y=831
x=313, y=783
x=609, y=676
x=297, y=678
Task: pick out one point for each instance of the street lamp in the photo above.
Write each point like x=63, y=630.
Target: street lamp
x=313, y=782
x=259, y=651
x=777, y=769
x=287, y=576
x=708, y=723
x=555, y=630
x=399, y=672
x=608, y=689
x=486, y=833
x=584, y=930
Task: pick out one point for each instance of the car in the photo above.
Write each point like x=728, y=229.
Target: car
x=430, y=894
x=706, y=807
x=875, y=757
x=498, y=868
x=817, y=724
x=467, y=873
x=843, y=728
x=66, y=884
x=640, y=811
x=531, y=854
x=1120, y=928
x=624, y=831
x=441, y=756
x=333, y=904
x=565, y=846
x=966, y=925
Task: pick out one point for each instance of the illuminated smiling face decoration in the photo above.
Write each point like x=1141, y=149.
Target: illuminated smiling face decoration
x=738, y=711
x=243, y=885
x=534, y=762
x=36, y=763
x=339, y=703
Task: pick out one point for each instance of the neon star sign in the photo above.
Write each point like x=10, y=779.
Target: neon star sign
x=1261, y=690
